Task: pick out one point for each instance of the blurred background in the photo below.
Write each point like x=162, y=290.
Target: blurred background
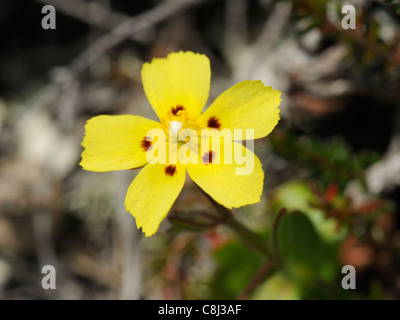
x=333, y=161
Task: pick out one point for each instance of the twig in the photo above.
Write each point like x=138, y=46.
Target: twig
x=127, y=244
x=126, y=29
x=92, y=13
x=121, y=27
x=236, y=22
x=43, y=229
x=44, y=246
x=273, y=27
x=270, y=33
x=260, y=276
x=275, y=231
x=68, y=87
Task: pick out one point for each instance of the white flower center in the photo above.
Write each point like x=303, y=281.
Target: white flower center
x=174, y=128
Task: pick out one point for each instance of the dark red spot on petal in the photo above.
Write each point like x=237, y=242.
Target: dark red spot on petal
x=145, y=144
x=208, y=157
x=176, y=109
x=214, y=123
x=170, y=170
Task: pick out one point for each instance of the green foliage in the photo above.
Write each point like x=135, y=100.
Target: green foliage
x=329, y=161
x=308, y=243
x=236, y=265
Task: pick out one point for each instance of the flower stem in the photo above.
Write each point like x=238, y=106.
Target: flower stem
x=275, y=232
x=247, y=236
x=261, y=275
x=226, y=217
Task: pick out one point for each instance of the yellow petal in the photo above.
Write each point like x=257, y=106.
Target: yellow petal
x=152, y=193
x=182, y=80
x=232, y=185
x=246, y=105
x=116, y=142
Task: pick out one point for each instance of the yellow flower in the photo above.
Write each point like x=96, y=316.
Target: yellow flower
x=177, y=88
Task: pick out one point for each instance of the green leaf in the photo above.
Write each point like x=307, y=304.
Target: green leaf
x=308, y=260
x=297, y=195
